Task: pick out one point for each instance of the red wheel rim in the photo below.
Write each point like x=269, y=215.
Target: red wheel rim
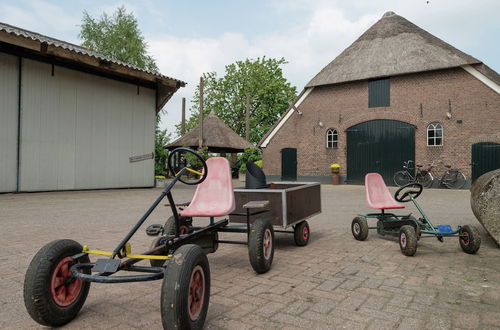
x=64, y=288
x=403, y=240
x=464, y=237
x=356, y=228
x=267, y=244
x=183, y=230
x=196, y=292
x=305, y=233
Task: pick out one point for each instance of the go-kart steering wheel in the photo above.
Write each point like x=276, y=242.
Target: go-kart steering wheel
x=185, y=164
x=409, y=194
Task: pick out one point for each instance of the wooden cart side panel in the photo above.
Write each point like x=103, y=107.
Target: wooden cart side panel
x=276, y=206
x=302, y=203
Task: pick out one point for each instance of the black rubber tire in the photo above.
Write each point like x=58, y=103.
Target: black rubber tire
x=359, y=228
x=155, y=243
x=37, y=284
x=470, y=239
x=301, y=233
x=175, y=289
x=169, y=226
x=408, y=240
x=401, y=178
x=418, y=232
x=259, y=235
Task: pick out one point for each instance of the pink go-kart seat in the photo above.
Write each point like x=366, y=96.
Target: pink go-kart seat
x=377, y=195
x=214, y=197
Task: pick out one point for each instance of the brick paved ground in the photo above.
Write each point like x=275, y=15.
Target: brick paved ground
x=334, y=282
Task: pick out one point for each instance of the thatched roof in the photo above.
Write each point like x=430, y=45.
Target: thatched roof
x=392, y=46
x=217, y=136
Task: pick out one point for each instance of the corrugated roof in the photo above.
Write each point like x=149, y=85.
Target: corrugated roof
x=392, y=46
x=75, y=48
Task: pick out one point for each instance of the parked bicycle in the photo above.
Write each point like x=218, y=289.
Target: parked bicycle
x=424, y=177
x=452, y=178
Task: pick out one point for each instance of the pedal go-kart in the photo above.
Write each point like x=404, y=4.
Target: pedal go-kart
x=58, y=278
x=406, y=227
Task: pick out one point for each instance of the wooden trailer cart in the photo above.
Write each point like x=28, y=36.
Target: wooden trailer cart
x=291, y=203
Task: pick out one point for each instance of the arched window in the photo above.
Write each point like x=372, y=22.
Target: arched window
x=435, y=134
x=332, y=138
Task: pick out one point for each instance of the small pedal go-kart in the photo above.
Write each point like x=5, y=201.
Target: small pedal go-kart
x=406, y=227
x=58, y=278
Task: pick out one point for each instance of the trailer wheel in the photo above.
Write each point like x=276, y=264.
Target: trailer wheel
x=301, y=233
x=185, y=291
x=261, y=245
x=469, y=239
x=52, y=295
x=359, y=228
x=408, y=240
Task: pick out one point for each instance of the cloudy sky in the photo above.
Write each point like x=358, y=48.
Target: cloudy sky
x=190, y=37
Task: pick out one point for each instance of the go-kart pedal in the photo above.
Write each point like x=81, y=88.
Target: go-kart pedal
x=444, y=229
x=154, y=229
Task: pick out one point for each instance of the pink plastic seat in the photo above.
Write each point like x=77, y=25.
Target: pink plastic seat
x=377, y=195
x=214, y=197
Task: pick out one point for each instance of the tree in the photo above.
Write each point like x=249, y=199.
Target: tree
x=270, y=95
x=118, y=36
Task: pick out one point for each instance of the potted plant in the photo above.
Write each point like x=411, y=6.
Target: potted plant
x=335, y=168
x=159, y=181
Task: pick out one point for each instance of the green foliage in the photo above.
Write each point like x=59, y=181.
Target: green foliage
x=161, y=139
x=258, y=163
x=117, y=36
x=193, y=161
x=249, y=155
x=270, y=96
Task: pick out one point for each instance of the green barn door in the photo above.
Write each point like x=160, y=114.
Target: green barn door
x=485, y=158
x=378, y=146
x=289, y=164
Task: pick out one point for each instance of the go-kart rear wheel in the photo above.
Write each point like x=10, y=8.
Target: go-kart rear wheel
x=185, y=226
x=301, y=233
x=52, y=295
x=359, y=228
x=261, y=245
x=185, y=291
x=469, y=239
x=408, y=240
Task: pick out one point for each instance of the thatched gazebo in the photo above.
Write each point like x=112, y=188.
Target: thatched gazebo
x=217, y=137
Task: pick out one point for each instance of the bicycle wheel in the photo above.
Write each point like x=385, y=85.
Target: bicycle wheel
x=425, y=178
x=458, y=180
x=401, y=178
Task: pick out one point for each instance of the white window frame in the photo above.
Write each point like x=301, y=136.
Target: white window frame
x=435, y=126
x=332, y=132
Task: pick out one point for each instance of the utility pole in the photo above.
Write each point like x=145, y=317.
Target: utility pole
x=183, y=122
x=247, y=118
x=200, y=139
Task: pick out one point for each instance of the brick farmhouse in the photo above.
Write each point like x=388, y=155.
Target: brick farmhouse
x=397, y=93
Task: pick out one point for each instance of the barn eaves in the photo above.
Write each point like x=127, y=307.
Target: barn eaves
x=21, y=42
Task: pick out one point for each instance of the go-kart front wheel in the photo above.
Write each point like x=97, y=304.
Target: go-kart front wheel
x=185, y=291
x=52, y=295
x=469, y=239
x=408, y=240
x=359, y=228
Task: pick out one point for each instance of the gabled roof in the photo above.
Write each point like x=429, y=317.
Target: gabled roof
x=217, y=136
x=392, y=46
x=39, y=45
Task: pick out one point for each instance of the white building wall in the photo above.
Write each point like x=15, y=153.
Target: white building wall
x=9, y=77
x=79, y=130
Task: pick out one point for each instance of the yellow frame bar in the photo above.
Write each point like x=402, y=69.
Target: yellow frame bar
x=87, y=250
x=190, y=170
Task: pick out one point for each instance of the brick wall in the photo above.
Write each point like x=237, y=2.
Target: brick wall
x=418, y=99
